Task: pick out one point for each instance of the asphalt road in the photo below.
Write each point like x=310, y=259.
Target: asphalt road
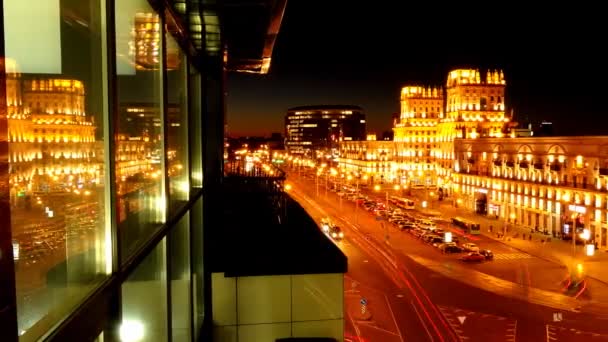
x=432, y=297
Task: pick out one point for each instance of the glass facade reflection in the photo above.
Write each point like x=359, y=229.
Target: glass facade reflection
x=100, y=169
x=139, y=161
x=144, y=303
x=57, y=182
x=113, y=115
x=177, y=124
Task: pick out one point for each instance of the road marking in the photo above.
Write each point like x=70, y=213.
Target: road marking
x=548, y=334
x=393, y=316
x=461, y=319
x=371, y=325
x=512, y=256
x=354, y=326
x=422, y=321
x=511, y=337
x=399, y=295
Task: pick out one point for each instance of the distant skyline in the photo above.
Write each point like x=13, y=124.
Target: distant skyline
x=342, y=52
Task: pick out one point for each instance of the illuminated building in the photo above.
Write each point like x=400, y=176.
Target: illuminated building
x=369, y=157
x=546, y=182
x=53, y=147
x=475, y=108
x=314, y=131
x=473, y=152
x=416, y=143
x=425, y=132
x=145, y=44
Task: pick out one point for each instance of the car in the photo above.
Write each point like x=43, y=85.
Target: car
x=325, y=225
x=406, y=225
x=473, y=257
x=336, y=233
x=487, y=254
x=470, y=247
x=452, y=249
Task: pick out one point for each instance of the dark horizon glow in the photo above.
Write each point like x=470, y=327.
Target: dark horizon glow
x=349, y=53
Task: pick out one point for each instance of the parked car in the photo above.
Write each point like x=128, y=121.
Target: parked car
x=473, y=257
x=336, y=233
x=487, y=254
x=452, y=249
x=470, y=247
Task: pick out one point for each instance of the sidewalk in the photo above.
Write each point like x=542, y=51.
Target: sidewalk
x=541, y=245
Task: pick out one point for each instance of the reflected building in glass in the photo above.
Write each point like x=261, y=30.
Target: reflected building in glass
x=112, y=180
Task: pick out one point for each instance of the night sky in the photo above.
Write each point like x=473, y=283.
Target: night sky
x=361, y=53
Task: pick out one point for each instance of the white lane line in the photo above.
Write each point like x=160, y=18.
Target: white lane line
x=382, y=329
x=422, y=321
x=514, y=334
x=549, y=338
x=354, y=326
x=393, y=316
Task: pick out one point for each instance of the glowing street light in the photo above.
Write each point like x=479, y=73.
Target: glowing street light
x=287, y=187
x=585, y=235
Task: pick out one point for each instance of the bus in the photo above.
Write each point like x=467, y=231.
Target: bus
x=403, y=203
x=468, y=226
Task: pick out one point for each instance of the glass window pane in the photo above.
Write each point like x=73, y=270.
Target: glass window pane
x=196, y=137
x=139, y=160
x=179, y=240
x=177, y=119
x=56, y=112
x=196, y=219
x=144, y=300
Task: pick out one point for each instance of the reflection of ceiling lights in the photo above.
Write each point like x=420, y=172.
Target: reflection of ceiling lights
x=145, y=46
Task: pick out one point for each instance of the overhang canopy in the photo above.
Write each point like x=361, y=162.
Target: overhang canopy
x=250, y=29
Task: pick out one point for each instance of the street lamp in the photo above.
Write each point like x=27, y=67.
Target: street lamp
x=317, y=182
x=512, y=216
x=384, y=227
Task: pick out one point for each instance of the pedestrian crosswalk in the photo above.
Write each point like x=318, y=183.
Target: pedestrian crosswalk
x=511, y=256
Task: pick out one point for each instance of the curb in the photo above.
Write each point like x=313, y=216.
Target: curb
x=528, y=252
x=545, y=258
x=542, y=257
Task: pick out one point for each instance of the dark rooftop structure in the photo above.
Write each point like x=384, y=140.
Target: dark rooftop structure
x=265, y=232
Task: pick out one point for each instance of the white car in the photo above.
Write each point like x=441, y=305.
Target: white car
x=470, y=247
x=325, y=225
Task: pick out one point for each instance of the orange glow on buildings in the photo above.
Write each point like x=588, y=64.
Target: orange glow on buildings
x=52, y=139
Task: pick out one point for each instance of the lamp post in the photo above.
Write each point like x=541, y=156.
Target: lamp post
x=317, y=183
x=384, y=227
x=340, y=191
x=504, y=228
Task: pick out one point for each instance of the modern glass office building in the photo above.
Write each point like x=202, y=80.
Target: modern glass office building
x=111, y=156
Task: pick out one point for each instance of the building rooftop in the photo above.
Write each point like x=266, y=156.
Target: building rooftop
x=327, y=107
x=252, y=241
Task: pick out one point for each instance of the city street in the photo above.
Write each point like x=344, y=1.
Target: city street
x=517, y=294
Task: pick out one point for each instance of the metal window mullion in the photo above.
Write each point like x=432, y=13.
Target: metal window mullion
x=110, y=120
x=191, y=211
x=165, y=161
x=8, y=302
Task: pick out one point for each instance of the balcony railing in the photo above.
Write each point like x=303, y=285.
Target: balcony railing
x=585, y=186
x=254, y=185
